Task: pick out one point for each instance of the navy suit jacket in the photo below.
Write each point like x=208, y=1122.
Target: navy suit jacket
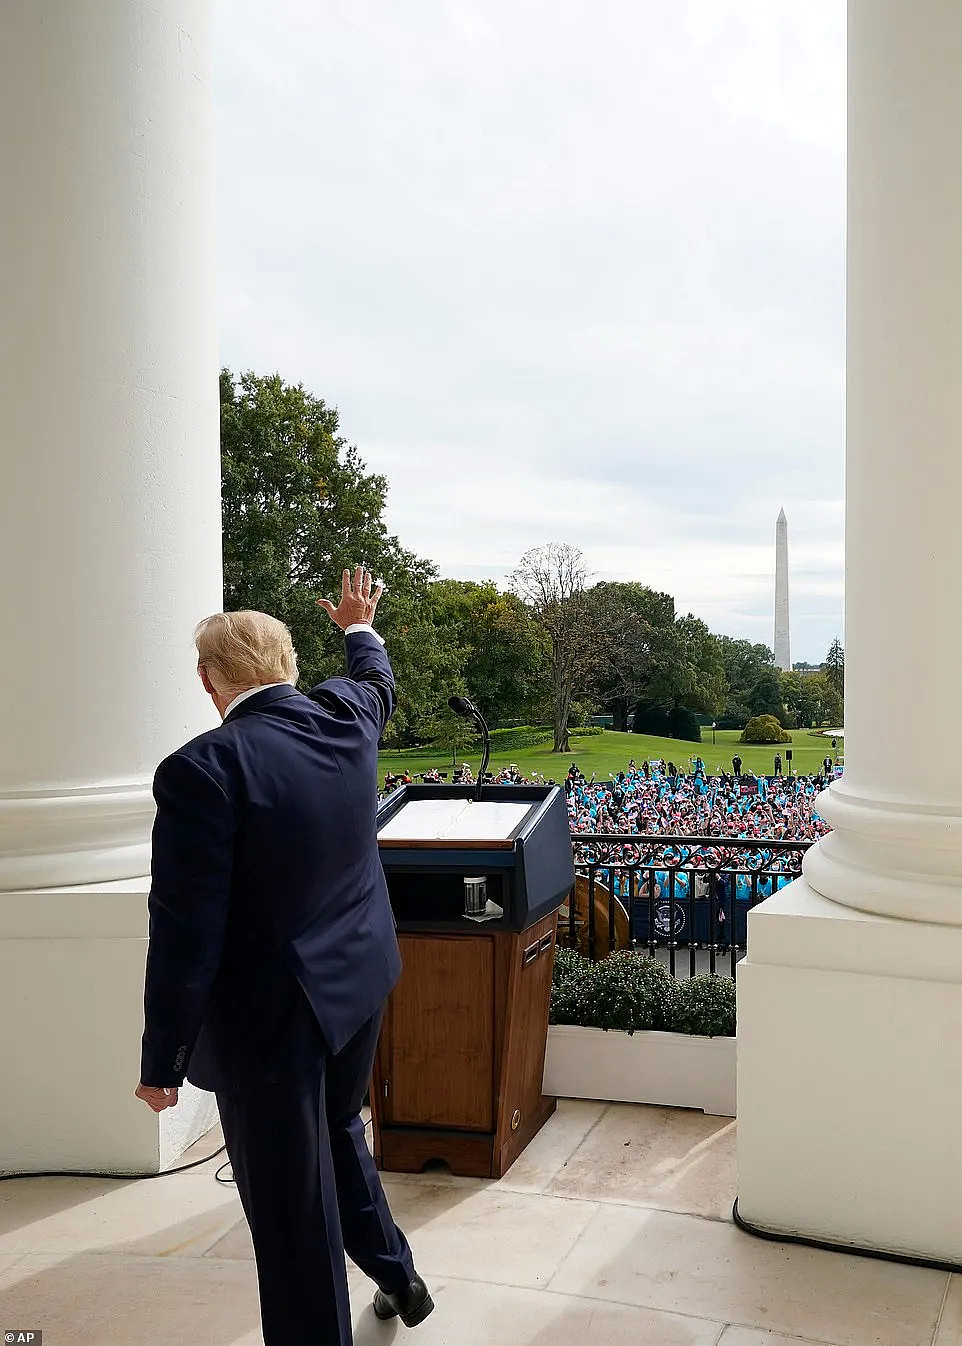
x=266, y=883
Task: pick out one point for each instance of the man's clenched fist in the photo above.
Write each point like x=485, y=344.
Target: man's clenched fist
x=157, y=1099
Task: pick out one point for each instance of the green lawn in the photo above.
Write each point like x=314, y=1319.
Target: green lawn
x=609, y=752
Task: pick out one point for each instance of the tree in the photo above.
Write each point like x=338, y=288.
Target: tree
x=765, y=696
x=551, y=580
x=811, y=699
x=652, y=659
x=449, y=730
x=298, y=507
x=834, y=667
x=502, y=651
x=830, y=710
x=735, y=715
x=638, y=655
x=743, y=663
x=799, y=704
x=702, y=669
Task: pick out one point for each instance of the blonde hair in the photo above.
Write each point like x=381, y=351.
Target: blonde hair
x=245, y=649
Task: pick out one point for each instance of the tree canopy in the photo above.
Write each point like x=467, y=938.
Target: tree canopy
x=637, y=658
x=500, y=651
x=298, y=507
x=834, y=667
x=811, y=700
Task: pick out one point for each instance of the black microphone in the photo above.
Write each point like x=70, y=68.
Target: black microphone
x=469, y=711
x=463, y=707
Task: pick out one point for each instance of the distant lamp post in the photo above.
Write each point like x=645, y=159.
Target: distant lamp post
x=713, y=733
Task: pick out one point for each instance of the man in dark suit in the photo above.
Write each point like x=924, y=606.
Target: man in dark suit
x=272, y=951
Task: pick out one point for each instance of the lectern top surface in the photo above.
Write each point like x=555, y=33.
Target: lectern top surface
x=455, y=820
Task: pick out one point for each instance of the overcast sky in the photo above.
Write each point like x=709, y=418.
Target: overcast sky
x=570, y=271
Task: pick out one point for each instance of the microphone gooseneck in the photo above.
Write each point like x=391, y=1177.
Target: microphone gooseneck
x=469, y=711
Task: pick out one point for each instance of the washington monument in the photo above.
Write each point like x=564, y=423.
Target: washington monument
x=783, y=644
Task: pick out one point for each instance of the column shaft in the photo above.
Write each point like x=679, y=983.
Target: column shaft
x=897, y=813
x=110, y=515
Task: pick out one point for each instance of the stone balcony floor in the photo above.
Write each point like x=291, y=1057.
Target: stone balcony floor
x=613, y=1228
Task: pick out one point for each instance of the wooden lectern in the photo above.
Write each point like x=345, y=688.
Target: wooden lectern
x=460, y=1059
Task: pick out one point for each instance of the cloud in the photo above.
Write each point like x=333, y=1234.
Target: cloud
x=569, y=272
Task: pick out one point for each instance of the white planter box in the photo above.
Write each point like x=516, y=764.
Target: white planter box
x=670, y=1069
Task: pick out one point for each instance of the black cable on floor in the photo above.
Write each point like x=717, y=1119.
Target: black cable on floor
x=121, y=1177
x=905, y=1258
x=131, y=1177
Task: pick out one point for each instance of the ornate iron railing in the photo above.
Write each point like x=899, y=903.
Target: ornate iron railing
x=664, y=893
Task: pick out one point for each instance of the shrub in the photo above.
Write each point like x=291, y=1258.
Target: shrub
x=521, y=736
x=764, y=729
x=651, y=719
x=571, y=992
x=631, y=992
x=704, y=1005
x=586, y=731
x=566, y=962
x=682, y=723
x=634, y=992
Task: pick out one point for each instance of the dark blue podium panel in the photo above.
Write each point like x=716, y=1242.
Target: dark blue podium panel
x=432, y=837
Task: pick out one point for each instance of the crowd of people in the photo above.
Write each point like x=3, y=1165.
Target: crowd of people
x=657, y=798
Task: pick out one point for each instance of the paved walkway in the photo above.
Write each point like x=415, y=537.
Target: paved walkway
x=613, y=1228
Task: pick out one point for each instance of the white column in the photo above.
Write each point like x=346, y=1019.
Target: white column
x=850, y=999
x=109, y=533
x=897, y=812
x=109, y=508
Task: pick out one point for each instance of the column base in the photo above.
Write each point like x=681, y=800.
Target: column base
x=888, y=856
x=71, y=1000
x=94, y=835
x=849, y=1080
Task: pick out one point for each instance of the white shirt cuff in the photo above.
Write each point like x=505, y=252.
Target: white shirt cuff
x=363, y=626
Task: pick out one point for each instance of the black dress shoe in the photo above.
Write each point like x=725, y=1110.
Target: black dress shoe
x=412, y=1305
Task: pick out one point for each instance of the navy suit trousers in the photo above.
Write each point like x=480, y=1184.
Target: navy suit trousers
x=310, y=1190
